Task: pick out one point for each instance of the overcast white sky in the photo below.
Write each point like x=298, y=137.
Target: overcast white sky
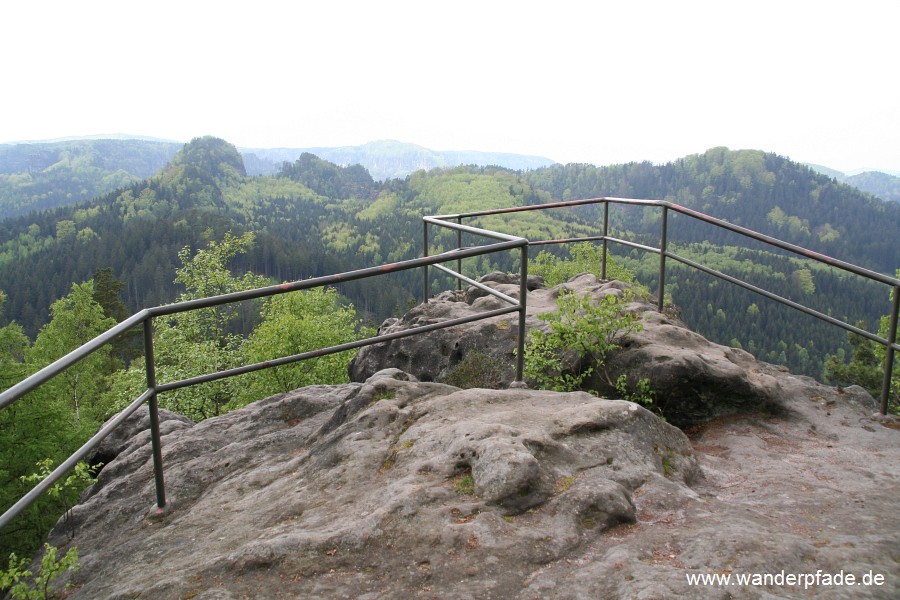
x=599, y=82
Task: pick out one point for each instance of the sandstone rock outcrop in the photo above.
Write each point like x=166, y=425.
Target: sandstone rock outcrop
x=393, y=482
x=693, y=378
x=395, y=488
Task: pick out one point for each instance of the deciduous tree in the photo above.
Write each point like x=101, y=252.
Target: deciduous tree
x=295, y=323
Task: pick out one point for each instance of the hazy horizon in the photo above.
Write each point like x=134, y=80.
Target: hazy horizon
x=850, y=172
x=603, y=83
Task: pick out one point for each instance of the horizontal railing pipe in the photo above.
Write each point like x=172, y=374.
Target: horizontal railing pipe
x=475, y=230
x=286, y=360
x=890, y=343
x=767, y=294
x=806, y=253
x=587, y=238
x=563, y=204
x=701, y=217
x=18, y=390
x=243, y=370
x=630, y=244
x=15, y=392
x=168, y=309
x=477, y=284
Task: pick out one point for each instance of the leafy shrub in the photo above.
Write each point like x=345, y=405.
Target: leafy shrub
x=65, y=491
x=24, y=584
x=640, y=393
x=580, y=325
x=292, y=324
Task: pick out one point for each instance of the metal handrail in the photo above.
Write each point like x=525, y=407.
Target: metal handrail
x=145, y=318
x=890, y=343
x=506, y=242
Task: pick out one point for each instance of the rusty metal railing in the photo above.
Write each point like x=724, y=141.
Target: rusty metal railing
x=453, y=222
x=154, y=388
x=890, y=343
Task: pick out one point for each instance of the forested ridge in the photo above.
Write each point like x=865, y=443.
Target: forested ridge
x=766, y=193
x=316, y=218
x=40, y=176
x=200, y=225
x=883, y=185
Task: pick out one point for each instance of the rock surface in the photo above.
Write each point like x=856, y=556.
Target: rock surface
x=392, y=487
x=693, y=378
x=395, y=488
x=392, y=484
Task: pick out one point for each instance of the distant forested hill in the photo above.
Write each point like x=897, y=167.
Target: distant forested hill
x=886, y=187
x=883, y=185
x=388, y=159
x=311, y=218
x=315, y=217
x=763, y=192
x=751, y=188
x=38, y=176
x=42, y=175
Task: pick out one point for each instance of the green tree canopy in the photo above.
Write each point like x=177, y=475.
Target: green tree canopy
x=295, y=323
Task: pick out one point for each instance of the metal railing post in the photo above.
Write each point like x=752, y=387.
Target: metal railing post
x=523, y=302
x=153, y=407
x=889, y=351
x=425, y=267
x=605, y=233
x=662, y=259
x=459, y=246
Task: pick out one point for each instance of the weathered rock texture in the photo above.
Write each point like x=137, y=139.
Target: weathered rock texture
x=392, y=484
x=693, y=378
x=362, y=491
x=391, y=487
